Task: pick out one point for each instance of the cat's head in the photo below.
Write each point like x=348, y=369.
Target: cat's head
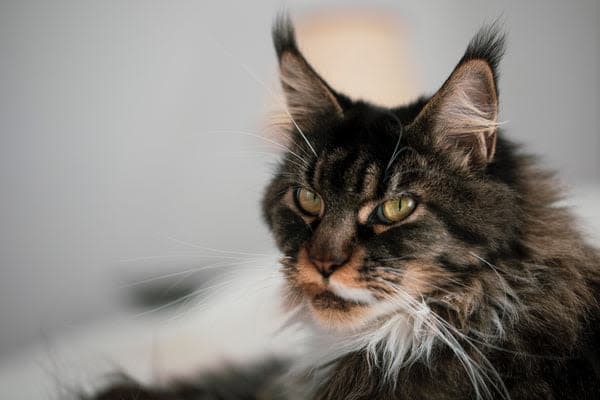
x=374, y=208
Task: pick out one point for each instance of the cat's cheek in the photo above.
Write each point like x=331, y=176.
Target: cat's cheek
x=290, y=232
x=309, y=279
x=422, y=278
x=306, y=276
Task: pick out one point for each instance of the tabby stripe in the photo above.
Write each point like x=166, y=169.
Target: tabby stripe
x=352, y=175
x=339, y=168
x=445, y=261
x=454, y=228
x=370, y=174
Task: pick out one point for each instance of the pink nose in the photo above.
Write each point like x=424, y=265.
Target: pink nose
x=326, y=267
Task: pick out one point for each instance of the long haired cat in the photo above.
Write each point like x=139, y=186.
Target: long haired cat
x=421, y=248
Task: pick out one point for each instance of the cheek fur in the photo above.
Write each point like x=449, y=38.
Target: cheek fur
x=289, y=230
x=306, y=275
x=421, y=278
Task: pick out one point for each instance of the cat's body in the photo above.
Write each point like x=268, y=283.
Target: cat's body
x=426, y=254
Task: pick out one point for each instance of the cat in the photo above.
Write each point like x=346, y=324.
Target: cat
x=423, y=250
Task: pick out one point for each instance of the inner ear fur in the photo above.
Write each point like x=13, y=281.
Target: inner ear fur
x=308, y=97
x=462, y=115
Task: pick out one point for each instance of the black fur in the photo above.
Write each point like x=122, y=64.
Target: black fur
x=252, y=382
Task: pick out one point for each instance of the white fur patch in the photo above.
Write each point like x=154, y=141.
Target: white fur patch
x=397, y=333
x=358, y=295
x=394, y=335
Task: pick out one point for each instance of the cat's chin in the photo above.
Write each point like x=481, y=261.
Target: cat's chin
x=338, y=302
x=332, y=312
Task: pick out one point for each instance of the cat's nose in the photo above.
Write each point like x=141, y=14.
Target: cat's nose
x=327, y=266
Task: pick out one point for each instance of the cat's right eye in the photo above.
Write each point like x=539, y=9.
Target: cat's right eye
x=395, y=210
x=308, y=202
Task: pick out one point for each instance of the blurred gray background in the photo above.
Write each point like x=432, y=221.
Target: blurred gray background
x=114, y=163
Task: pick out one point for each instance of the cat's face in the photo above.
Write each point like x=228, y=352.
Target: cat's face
x=372, y=205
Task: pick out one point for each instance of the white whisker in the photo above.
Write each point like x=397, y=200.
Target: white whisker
x=190, y=254
x=278, y=145
x=220, y=251
x=262, y=83
x=186, y=272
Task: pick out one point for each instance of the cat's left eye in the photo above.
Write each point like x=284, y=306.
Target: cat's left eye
x=308, y=202
x=396, y=210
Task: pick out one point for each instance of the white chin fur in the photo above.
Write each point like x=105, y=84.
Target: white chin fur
x=358, y=295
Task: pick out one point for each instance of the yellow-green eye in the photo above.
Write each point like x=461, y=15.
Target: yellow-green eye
x=396, y=210
x=308, y=202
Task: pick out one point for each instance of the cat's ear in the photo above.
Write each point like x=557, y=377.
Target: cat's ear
x=462, y=115
x=308, y=97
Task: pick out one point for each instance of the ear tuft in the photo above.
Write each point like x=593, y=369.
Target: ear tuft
x=489, y=45
x=462, y=115
x=284, y=37
x=309, y=98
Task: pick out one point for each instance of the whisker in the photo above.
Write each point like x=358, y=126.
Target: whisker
x=277, y=144
x=443, y=331
x=481, y=334
x=205, y=303
x=183, y=298
x=275, y=157
x=186, y=272
x=506, y=288
x=190, y=254
x=395, y=151
x=220, y=251
x=502, y=390
x=254, y=288
x=391, y=259
x=246, y=68
x=402, y=274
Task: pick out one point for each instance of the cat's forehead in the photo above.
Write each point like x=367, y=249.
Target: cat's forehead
x=363, y=172
x=364, y=154
x=345, y=169
x=376, y=135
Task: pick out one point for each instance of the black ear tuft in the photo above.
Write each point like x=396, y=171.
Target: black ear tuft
x=284, y=37
x=309, y=99
x=488, y=44
x=462, y=115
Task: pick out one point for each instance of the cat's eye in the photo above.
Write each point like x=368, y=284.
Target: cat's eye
x=396, y=210
x=308, y=202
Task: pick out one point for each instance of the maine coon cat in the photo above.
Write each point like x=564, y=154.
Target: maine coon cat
x=421, y=248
